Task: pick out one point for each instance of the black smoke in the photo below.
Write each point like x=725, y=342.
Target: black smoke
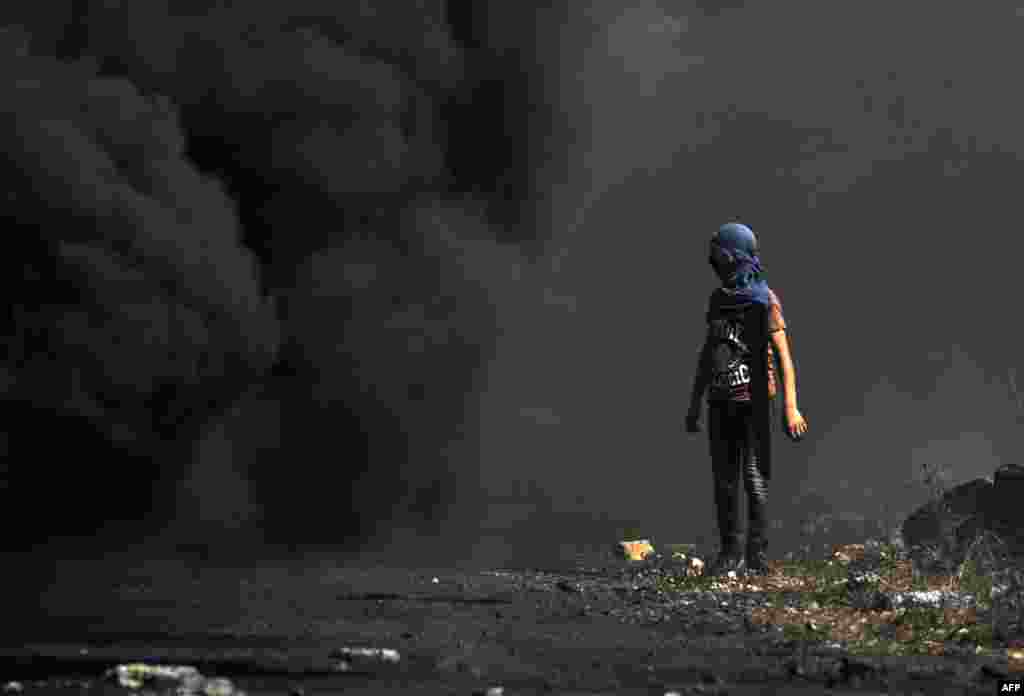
x=317, y=272
x=241, y=304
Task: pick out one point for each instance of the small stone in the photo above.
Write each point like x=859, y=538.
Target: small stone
x=846, y=553
x=635, y=550
x=374, y=654
x=13, y=687
x=136, y=675
x=490, y=691
x=218, y=687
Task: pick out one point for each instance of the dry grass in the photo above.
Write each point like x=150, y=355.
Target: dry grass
x=823, y=611
x=827, y=614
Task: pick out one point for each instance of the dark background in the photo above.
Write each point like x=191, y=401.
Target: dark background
x=428, y=279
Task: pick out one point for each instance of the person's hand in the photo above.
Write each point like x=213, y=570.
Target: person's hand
x=693, y=423
x=796, y=426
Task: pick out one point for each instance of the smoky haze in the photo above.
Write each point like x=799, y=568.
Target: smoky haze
x=878, y=179
x=430, y=283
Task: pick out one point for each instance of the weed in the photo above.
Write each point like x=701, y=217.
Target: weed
x=806, y=631
x=686, y=583
x=982, y=568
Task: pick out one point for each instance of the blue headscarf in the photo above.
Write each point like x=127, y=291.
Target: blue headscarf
x=734, y=258
x=733, y=255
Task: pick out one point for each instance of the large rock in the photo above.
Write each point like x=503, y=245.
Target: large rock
x=935, y=522
x=991, y=504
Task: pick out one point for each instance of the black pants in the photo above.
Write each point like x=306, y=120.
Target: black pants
x=733, y=443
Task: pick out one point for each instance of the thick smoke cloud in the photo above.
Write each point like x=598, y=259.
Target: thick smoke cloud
x=138, y=310
x=321, y=141
x=482, y=226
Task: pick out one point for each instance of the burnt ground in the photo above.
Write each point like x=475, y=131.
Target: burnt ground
x=588, y=625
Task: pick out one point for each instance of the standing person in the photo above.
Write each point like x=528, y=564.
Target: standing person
x=745, y=331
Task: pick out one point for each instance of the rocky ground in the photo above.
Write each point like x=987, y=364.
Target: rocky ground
x=592, y=625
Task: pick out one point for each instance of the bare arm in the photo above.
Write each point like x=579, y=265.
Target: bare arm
x=781, y=344
x=796, y=425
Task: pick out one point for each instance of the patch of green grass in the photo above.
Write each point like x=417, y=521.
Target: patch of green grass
x=919, y=630
x=805, y=632
x=977, y=633
x=685, y=583
x=975, y=583
x=816, y=567
x=890, y=560
x=831, y=595
x=926, y=627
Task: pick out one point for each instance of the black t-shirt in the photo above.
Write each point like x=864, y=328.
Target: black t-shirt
x=729, y=359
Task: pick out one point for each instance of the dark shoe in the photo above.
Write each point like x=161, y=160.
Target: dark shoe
x=727, y=562
x=757, y=559
x=757, y=564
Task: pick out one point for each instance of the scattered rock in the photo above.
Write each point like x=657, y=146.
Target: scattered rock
x=846, y=553
x=863, y=578
x=932, y=599
x=870, y=599
x=218, y=687
x=490, y=691
x=13, y=687
x=366, y=654
x=137, y=675
x=694, y=567
x=1007, y=611
x=186, y=681
x=567, y=586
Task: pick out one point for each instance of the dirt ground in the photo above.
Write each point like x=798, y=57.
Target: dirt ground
x=588, y=626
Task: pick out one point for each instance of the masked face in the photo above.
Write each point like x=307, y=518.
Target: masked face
x=718, y=257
